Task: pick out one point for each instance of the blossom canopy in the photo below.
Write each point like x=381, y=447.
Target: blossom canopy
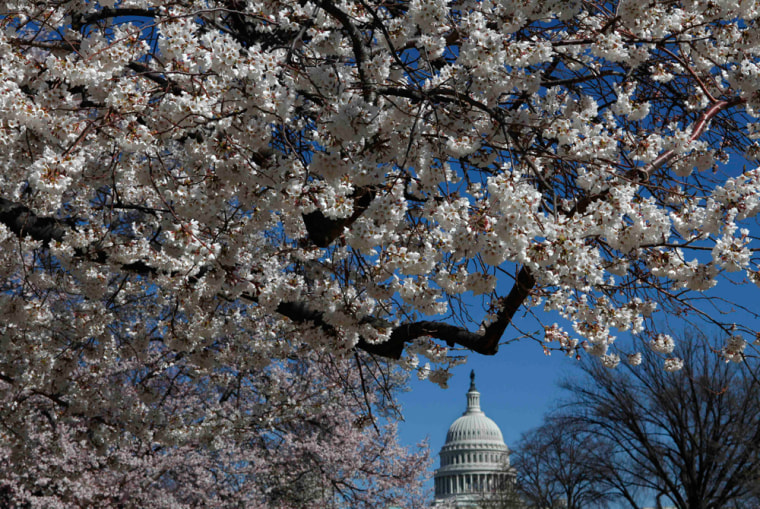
x=221, y=183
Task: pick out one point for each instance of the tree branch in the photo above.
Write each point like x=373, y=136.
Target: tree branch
x=156, y=77
x=108, y=12
x=22, y=221
x=357, y=45
x=486, y=343
x=700, y=126
x=323, y=230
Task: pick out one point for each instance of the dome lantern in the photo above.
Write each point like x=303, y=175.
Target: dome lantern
x=473, y=397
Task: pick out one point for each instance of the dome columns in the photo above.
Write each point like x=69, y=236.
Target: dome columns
x=472, y=484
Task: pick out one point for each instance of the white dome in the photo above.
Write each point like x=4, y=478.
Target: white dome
x=474, y=458
x=474, y=427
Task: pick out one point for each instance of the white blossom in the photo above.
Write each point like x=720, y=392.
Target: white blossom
x=673, y=364
x=610, y=361
x=734, y=349
x=662, y=343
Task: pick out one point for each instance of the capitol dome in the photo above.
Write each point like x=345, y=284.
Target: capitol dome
x=474, y=459
x=474, y=426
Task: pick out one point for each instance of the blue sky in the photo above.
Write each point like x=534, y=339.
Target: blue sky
x=520, y=384
x=517, y=386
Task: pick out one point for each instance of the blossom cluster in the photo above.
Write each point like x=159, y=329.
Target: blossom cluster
x=223, y=189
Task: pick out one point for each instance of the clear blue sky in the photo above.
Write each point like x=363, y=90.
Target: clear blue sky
x=517, y=386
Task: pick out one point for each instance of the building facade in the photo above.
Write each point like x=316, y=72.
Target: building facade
x=474, y=460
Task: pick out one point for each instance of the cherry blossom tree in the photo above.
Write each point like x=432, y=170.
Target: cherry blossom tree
x=365, y=167
x=297, y=434
x=208, y=189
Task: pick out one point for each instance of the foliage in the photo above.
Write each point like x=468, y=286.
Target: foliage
x=199, y=192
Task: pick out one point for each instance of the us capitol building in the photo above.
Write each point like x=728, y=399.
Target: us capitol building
x=474, y=459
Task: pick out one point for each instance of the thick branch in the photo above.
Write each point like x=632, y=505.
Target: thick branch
x=360, y=52
x=644, y=173
x=244, y=27
x=486, y=343
x=699, y=128
x=22, y=221
x=323, y=230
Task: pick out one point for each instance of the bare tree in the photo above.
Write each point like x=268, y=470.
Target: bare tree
x=506, y=495
x=691, y=438
x=556, y=467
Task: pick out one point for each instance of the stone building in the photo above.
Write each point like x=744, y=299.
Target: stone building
x=474, y=459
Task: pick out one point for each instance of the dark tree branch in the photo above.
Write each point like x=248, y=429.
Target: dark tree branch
x=486, y=343
x=360, y=51
x=22, y=221
x=108, y=12
x=323, y=231
x=243, y=25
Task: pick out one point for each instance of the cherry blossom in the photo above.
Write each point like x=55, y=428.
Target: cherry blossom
x=218, y=187
x=295, y=434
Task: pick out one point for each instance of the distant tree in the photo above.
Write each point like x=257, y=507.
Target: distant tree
x=556, y=467
x=690, y=437
x=505, y=495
